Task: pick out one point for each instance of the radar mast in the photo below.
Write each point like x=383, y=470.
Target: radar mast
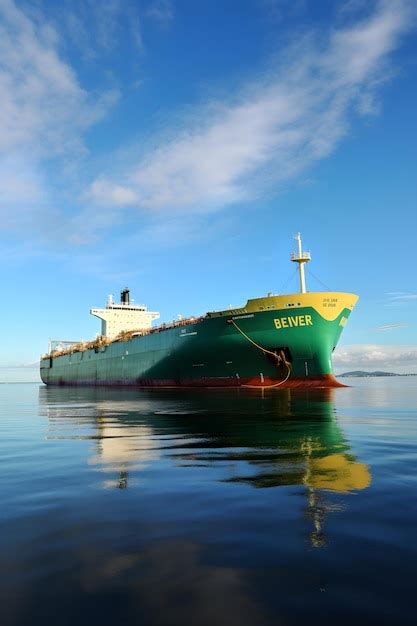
x=301, y=257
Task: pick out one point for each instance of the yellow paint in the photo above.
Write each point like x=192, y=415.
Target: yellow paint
x=293, y=321
x=338, y=472
x=328, y=304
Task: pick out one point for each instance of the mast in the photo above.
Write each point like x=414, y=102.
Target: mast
x=301, y=257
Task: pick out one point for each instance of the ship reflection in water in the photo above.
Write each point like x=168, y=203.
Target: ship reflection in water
x=123, y=448
x=276, y=439
x=224, y=507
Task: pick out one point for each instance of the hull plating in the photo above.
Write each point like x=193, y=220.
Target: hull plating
x=212, y=352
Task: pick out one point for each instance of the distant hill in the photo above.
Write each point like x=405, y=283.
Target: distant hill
x=361, y=374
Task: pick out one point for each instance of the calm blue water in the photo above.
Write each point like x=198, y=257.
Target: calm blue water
x=211, y=507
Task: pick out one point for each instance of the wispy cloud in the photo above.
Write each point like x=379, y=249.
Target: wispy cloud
x=229, y=152
x=44, y=115
x=402, y=295
x=97, y=28
x=400, y=298
x=43, y=108
x=386, y=327
x=223, y=152
x=399, y=358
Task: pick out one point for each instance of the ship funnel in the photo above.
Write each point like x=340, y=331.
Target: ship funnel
x=125, y=296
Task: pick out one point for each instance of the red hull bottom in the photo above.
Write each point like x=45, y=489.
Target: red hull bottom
x=324, y=381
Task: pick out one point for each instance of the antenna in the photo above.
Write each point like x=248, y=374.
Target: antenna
x=301, y=257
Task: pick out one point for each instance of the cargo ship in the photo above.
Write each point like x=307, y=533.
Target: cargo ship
x=272, y=341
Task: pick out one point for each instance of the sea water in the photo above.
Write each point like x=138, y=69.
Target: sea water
x=209, y=507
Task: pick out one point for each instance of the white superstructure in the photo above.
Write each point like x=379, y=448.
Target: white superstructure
x=124, y=316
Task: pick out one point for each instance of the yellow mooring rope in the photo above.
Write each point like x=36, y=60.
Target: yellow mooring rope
x=265, y=351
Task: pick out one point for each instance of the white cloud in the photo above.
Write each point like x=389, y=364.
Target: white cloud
x=216, y=155
x=97, y=28
x=43, y=107
x=395, y=358
x=44, y=114
x=230, y=152
x=20, y=181
x=105, y=193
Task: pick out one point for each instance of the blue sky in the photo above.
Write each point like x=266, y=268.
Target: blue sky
x=176, y=147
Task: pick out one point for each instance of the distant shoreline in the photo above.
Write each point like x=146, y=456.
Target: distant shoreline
x=362, y=374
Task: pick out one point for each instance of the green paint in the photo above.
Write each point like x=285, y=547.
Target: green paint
x=207, y=349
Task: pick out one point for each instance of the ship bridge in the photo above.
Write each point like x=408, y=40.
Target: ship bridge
x=123, y=316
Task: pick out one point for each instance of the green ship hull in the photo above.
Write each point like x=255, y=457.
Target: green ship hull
x=273, y=341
